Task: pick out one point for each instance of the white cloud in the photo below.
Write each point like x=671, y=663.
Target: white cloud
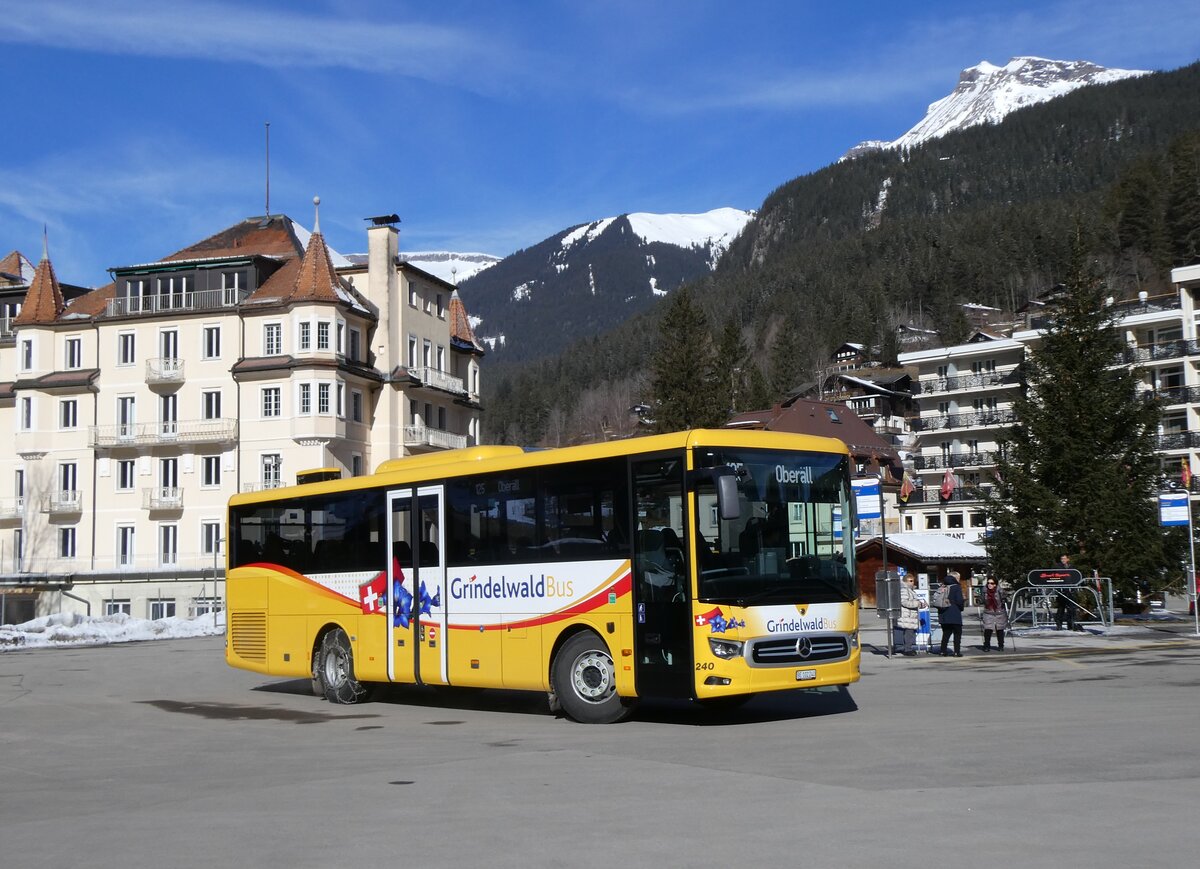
x=275, y=38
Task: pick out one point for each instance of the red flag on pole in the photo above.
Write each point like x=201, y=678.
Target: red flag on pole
x=948, y=485
x=906, y=488
x=1186, y=474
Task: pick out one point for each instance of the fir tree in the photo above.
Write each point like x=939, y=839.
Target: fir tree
x=684, y=378
x=1077, y=472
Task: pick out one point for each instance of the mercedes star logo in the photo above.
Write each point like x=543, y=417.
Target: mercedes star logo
x=804, y=647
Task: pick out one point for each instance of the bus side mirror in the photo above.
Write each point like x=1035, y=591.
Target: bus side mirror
x=728, y=506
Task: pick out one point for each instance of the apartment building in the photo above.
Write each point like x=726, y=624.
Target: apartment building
x=964, y=395
x=139, y=408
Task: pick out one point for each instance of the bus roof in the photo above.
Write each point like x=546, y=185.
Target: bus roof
x=486, y=459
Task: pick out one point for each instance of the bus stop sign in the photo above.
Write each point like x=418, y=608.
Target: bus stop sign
x=1060, y=577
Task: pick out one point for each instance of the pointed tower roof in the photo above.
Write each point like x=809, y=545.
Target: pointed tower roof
x=44, y=298
x=460, y=324
x=316, y=281
x=16, y=269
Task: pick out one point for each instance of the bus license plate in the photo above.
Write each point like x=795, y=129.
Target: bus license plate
x=805, y=675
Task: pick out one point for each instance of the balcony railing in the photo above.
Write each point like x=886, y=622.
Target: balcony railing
x=436, y=379
x=954, y=460
x=1166, y=350
x=164, y=370
x=6, y=330
x=11, y=508
x=1182, y=440
x=976, y=419
x=195, y=431
x=162, y=498
x=966, y=381
x=64, y=501
x=933, y=494
x=420, y=435
x=199, y=300
x=263, y=485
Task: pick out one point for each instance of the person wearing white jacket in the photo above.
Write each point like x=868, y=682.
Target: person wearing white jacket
x=907, y=621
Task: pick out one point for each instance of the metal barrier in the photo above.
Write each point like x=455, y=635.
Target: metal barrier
x=1042, y=602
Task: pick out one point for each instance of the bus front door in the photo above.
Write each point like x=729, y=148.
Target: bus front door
x=662, y=607
x=416, y=582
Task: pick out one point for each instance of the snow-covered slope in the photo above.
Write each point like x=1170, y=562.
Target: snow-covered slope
x=986, y=93
x=452, y=267
x=713, y=229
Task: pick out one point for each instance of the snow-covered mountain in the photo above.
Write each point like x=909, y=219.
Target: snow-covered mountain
x=986, y=93
x=451, y=267
x=588, y=278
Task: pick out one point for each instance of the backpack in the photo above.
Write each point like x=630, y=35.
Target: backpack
x=941, y=597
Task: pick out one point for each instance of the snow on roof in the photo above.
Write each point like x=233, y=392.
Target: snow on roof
x=931, y=546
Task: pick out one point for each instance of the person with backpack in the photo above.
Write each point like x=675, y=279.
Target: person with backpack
x=994, y=615
x=950, y=604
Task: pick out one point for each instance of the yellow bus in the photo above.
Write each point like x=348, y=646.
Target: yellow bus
x=708, y=564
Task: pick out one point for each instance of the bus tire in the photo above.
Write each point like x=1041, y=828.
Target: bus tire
x=336, y=671
x=585, y=681
x=318, y=687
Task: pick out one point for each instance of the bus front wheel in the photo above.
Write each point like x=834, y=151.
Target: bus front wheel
x=336, y=670
x=585, y=681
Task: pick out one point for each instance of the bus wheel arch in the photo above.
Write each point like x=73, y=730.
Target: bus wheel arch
x=335, y=669
x=583, y=677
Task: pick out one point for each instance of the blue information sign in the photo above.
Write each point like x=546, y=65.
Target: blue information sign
x=1173, y=508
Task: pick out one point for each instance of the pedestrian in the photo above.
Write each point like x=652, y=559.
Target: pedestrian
x=1065, y=609
x=950, y=616
x=907, y=621
x=994, y=615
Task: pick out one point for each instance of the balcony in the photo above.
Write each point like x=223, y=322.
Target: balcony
x=435, y=379
x=200, y=300
x=967, y=381
x=933, y=495
x=318, y=427
x=1157, y=352
x=263, y=485
x=164, y=370
x=12, y=509
x=162, y=498
x=423, y=436
x=1182, y=440
x=975, y=419
x=63, y=503
x=7, y=335
x=954, y=460
x=195, y=431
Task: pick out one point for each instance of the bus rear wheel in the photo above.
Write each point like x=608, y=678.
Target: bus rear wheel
x=585, y=681
x=336, y=670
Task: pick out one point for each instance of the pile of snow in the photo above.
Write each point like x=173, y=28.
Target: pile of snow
x=70, y=629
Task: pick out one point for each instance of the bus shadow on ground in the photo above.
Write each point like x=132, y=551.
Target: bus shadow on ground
x=776, y=706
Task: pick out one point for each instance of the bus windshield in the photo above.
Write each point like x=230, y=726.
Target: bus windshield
x=791, y=542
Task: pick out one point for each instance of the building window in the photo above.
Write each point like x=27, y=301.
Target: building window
x=305, y=339
x=211, y=400
x=305, y=399
x=933, y=521
x=210, y=471
x=978, y=520
x=26, y=413
x=442, y=419
x=168, y=544
x=427, y=353
x=118, y=607
x=441, y=358
x=322, y=398
x=323, y=335
x=26, y=354
x=356, y=406
x=68, y=413
x=212, y=342
x=413, y=413
x=125, y=540
x=203, y=606
x=412, y=294
x=441, y=310
x=356, y=465
x=272, y=339
x=272, y=470
x=74, y=353
x=126, y=472
x=210, y=537
x=271, y=403
x=341, y=338
x=66, y=542
x=908, y=523
x=168, y=344
x=341, y=401
x=412, y=351
x=162, y=608
x=954, y=520
x=126, y=348
x=352, y=352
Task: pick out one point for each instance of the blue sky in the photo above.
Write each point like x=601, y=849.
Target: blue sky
x=136, y=128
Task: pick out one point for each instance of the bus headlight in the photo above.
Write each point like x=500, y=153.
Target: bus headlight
x=726, y=648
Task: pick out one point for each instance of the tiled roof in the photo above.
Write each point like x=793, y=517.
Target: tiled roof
x=93, y=304
x=266, y=236
x=460, y=323
x=16, y=269
x=316, y=281
x=44, y=299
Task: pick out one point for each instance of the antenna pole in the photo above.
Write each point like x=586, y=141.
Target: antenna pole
x=268, y=126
